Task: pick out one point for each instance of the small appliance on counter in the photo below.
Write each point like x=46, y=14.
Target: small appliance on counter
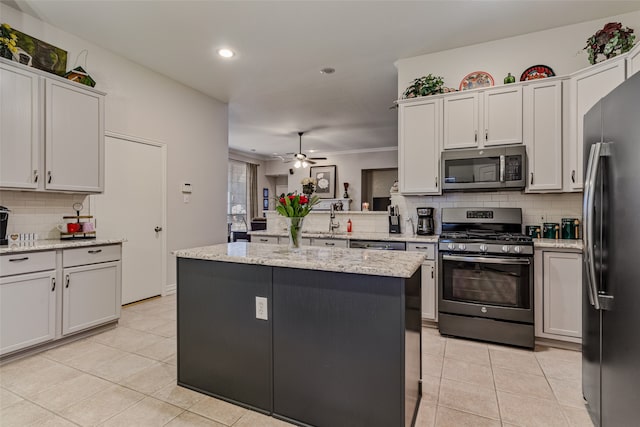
x=4, y=221
x=394, y=219
x=570, y=228
x=425, y=222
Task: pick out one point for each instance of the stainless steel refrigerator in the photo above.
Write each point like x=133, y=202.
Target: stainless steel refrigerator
x=611, y=275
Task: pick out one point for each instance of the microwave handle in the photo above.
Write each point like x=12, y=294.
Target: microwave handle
x=502, y=167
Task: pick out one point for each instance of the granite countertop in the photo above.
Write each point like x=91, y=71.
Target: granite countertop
x=353, y=236
x=357, y=261
x=43, y=245
x=558, y=244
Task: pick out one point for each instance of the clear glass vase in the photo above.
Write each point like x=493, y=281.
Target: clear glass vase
x=294, y=229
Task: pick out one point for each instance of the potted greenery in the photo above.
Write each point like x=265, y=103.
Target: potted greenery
x=422, y=86
x=8, y=41
x=610, y=41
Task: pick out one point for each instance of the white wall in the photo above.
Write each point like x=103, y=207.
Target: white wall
x=559, y=48
x=348, y=169
x=145, y=104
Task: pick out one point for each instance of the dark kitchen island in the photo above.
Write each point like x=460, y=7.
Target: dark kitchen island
x=336, y=344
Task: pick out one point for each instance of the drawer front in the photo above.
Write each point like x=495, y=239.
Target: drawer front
x=265, y=239
x=27, y=262
x=330, y=243
x=90, y=255
x=429, y=249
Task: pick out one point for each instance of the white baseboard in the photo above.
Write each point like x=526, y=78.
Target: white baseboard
x=170, y=289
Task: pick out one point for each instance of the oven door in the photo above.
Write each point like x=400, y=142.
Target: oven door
x=487, y=286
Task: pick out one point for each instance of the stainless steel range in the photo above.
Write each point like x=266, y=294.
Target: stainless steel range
x=486, y=276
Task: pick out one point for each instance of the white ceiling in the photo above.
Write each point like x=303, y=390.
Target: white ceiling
x=273, y=85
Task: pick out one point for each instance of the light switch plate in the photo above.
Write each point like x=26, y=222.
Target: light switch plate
x=262, y=311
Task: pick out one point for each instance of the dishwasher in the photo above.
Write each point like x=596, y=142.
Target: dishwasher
x=378, y=245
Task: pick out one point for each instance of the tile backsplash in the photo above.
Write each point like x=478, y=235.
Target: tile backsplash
x=39, y=212
x=536, y=209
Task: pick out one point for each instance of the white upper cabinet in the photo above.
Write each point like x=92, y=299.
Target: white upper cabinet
x=51, y=133
x=74, y=138
x=419, y=145
x=587, y=87
x=483, y=118
x=461, y=120
x=542, y=121
x=19, y=128
x=633, y=60
x=502, y=116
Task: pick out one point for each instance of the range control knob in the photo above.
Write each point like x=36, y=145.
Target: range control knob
x=517, y=249
x=451, y=246
x=484, y=248
x=483, y=309
x=505, y=248
x=462, y=246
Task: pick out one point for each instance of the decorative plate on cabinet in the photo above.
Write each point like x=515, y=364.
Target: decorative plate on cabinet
x=537, y=72
x=475, y=80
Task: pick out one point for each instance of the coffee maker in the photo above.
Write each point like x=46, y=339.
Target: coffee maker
x=425, y=221
x=4, y=220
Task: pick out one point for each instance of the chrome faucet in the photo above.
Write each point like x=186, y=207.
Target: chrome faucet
x=332, y=216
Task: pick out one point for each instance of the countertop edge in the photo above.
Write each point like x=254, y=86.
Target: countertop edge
x=48, y=245
x=328, y=259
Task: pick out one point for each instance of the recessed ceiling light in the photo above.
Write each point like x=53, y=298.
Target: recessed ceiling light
x=327, y=70
x=226, y=53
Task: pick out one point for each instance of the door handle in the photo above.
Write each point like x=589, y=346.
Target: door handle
x=597, y=151
x=502, y=167
x=432, y=272
x=476, y=137
x=158, y=229
x=49, y=177
x=573, y=176
x=531, y=178
x=35, y=175
x=486, y=134
x=66, y=285
x=436, y=182
x=329, y=244
x=96, y=251
x=53, y=284
x=19, y=259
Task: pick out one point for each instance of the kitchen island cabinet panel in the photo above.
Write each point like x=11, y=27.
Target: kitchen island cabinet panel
x=223, y=350
x=331, y=334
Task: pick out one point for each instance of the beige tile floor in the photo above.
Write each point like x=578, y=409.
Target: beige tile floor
x=127, y=376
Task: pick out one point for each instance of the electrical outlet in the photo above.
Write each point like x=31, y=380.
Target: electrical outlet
x=262, y=308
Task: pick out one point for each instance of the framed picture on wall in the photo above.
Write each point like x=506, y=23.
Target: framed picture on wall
x=326, y=181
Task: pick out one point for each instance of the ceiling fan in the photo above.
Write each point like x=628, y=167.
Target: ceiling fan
x=301, y=159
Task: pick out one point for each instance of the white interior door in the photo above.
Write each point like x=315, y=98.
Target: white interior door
x=132, y=206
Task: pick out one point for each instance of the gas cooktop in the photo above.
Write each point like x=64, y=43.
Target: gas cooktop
x=481, y=235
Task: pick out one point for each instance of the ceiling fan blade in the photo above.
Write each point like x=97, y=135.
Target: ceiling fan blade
x=311, y=162
x=316, y=158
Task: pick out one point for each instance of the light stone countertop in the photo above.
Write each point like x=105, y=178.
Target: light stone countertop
x=558, y=244
x=354, y=236
x=356, y=261
x=44, y=245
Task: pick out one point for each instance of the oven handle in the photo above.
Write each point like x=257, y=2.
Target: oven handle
x=504, y=261
x=502, y=168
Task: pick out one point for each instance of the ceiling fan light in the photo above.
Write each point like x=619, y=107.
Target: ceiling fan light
x=305, y=164
x=297, y=164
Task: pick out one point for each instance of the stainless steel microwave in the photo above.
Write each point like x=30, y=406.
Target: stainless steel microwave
x=496, y=168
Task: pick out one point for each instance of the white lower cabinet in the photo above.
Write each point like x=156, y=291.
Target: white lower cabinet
x=27, y=310
x=330, y=243
x=91, y=296
x=428, y=276
x=558, y=289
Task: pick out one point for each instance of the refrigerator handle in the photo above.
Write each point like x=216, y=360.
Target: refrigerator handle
x=597, y=150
